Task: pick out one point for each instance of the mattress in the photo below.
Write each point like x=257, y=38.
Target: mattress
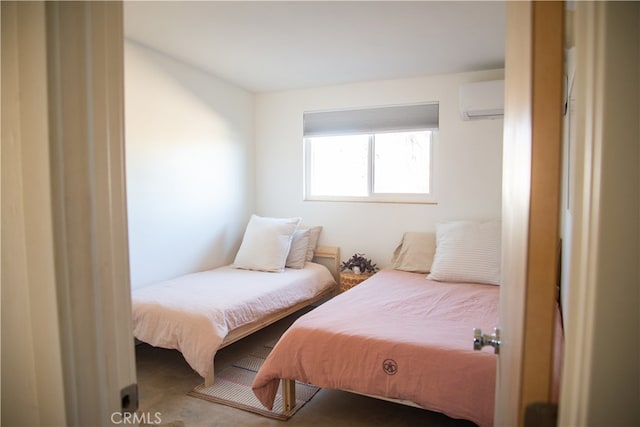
x=396, y=335
x=195, y=312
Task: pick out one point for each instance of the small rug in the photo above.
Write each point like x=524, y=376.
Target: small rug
x=232, y=387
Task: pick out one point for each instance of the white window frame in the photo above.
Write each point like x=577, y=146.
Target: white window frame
x=421, y=198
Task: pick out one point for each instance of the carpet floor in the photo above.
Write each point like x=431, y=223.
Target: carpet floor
x=164, y=379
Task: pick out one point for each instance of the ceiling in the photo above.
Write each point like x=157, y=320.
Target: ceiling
x=266, y=46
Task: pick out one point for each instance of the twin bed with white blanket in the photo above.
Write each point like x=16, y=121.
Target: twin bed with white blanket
x=272, y=277
x=196, y=313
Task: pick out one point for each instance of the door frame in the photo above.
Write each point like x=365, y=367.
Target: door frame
x=32, y=377
x=601, y=376
x=531, y=207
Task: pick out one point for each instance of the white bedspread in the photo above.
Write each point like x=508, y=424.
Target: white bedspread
x=194, y=313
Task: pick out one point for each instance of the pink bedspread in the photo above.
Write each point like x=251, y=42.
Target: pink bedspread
x=396, y=335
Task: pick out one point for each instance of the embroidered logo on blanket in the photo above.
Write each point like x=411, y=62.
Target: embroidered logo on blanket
x=390, y=367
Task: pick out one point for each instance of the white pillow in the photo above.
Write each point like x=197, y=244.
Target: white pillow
x=298, y=252
x=467, y=251
x=415, y=252
x=266, y=243
x=313, y=241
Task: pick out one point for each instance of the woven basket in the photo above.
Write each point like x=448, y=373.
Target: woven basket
x=349, y=280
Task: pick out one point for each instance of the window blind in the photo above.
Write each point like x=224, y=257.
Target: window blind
x=371, y=120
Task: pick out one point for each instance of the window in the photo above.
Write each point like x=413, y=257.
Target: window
x=381, y=154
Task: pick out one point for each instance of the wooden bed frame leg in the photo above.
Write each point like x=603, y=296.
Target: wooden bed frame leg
x=208, y=380
x=288, y=394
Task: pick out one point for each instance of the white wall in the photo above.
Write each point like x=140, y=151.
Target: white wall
x=190, y=166
x=468, y=161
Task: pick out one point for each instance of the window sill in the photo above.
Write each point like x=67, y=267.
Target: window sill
x=418, y=200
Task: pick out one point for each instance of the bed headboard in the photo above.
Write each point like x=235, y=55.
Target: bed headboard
x=331, y=253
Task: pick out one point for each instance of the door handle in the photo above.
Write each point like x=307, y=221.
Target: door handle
x=481, y=340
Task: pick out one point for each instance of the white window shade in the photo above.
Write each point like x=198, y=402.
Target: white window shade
x=371, y=120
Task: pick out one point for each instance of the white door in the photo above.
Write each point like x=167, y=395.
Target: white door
x=531, y=197
x=86, y=102
x=67, y=341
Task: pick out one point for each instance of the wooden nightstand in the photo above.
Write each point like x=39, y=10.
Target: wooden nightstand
x=349, y=280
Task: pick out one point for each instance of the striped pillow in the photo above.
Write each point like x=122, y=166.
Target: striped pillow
x=467, y=252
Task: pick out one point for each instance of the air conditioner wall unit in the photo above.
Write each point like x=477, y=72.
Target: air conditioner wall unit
x=482, y=100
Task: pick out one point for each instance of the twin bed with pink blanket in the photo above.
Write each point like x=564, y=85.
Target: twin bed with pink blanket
x=397, y=335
